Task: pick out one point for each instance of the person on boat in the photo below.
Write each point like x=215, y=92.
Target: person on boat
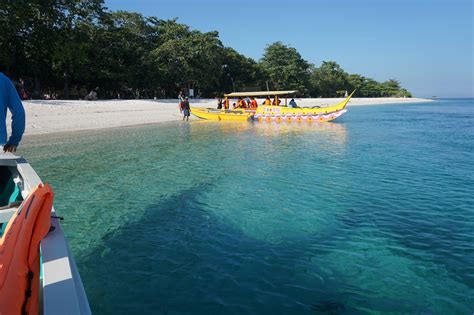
x=9, y=99
x=226, y=103
x=186, y=109
x=276, y=102
x=219, y=103
x=243, y=103
x=253, y=103
x=267, y=101
x=240, y=103
x=292, y=103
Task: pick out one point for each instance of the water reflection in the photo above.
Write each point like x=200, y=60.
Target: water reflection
x=335, y=132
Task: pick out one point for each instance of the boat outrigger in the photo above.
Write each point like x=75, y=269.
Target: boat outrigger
x=271, y=113
x=57, y=287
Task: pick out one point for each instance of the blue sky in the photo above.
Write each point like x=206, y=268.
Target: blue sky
x=425, y=44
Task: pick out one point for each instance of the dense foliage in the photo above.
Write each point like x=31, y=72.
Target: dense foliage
x=66, y=48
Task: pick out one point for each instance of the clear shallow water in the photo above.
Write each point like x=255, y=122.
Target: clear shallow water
x=371, y=214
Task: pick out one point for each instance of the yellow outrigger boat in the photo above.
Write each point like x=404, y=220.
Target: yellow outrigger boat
x=273, y=113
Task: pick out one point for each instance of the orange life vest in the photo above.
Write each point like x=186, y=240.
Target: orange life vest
x=242, y=104
x=19, y=253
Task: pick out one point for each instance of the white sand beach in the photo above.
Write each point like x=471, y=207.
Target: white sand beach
x=52, y=116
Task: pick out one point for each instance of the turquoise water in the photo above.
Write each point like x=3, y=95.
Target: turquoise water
x=373, y=213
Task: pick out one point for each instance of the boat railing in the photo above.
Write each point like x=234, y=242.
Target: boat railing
x=62, y=291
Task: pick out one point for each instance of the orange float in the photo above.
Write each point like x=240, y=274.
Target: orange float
x=19, y=253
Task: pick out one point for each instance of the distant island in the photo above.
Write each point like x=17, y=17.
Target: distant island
x=67, y=49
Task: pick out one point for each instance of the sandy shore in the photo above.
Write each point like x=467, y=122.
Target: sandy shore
x=59, y=116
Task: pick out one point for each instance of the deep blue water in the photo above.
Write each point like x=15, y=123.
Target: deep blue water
x=373, y=213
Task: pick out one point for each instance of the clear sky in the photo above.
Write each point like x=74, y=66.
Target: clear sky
x=425, y=44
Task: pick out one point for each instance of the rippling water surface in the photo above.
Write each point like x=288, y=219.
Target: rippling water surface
x=373, y=213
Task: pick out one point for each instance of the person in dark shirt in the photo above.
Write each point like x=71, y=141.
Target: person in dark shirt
x=292, y=103
x=186, y=109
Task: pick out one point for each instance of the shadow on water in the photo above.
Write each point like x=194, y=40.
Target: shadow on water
x=181, y=259
x=176, y=260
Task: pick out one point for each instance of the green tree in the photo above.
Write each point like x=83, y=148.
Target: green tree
x=75, y=45
x=392, y=88
x=121, y=46
x=285, y=68
x=329, y=80
x=371, y=88
x=28, y=38
x=239, y=72
x=76, y=23
x=356, y=82
x=186, y=58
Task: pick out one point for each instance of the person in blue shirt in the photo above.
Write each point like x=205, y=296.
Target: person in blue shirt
x=292, y=103
x=9, y=99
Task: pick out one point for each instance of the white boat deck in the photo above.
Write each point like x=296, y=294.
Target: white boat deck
x=62, y=291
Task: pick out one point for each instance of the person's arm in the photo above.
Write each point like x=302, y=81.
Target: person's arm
x=18, y=117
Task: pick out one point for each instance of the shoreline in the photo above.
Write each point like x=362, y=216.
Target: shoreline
x=28, y=137
x=58, y=116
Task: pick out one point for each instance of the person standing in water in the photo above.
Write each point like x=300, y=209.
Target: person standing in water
x=9, y=99
x=186, y=109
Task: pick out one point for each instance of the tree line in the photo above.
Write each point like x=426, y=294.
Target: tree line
x=66, y=48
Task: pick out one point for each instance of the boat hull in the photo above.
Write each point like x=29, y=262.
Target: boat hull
x=297, y=117
x=220, y=114
x=299, y=114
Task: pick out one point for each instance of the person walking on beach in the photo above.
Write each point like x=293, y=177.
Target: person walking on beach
x=186, y=109
x=180, y=101
x=9, y=99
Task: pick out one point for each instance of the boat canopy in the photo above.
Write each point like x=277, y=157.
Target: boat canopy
x=260, y=93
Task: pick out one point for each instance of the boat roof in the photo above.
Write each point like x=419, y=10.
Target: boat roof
x=259, y=93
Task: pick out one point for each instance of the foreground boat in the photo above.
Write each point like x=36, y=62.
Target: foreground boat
x=60, y=289
x=269, y=113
